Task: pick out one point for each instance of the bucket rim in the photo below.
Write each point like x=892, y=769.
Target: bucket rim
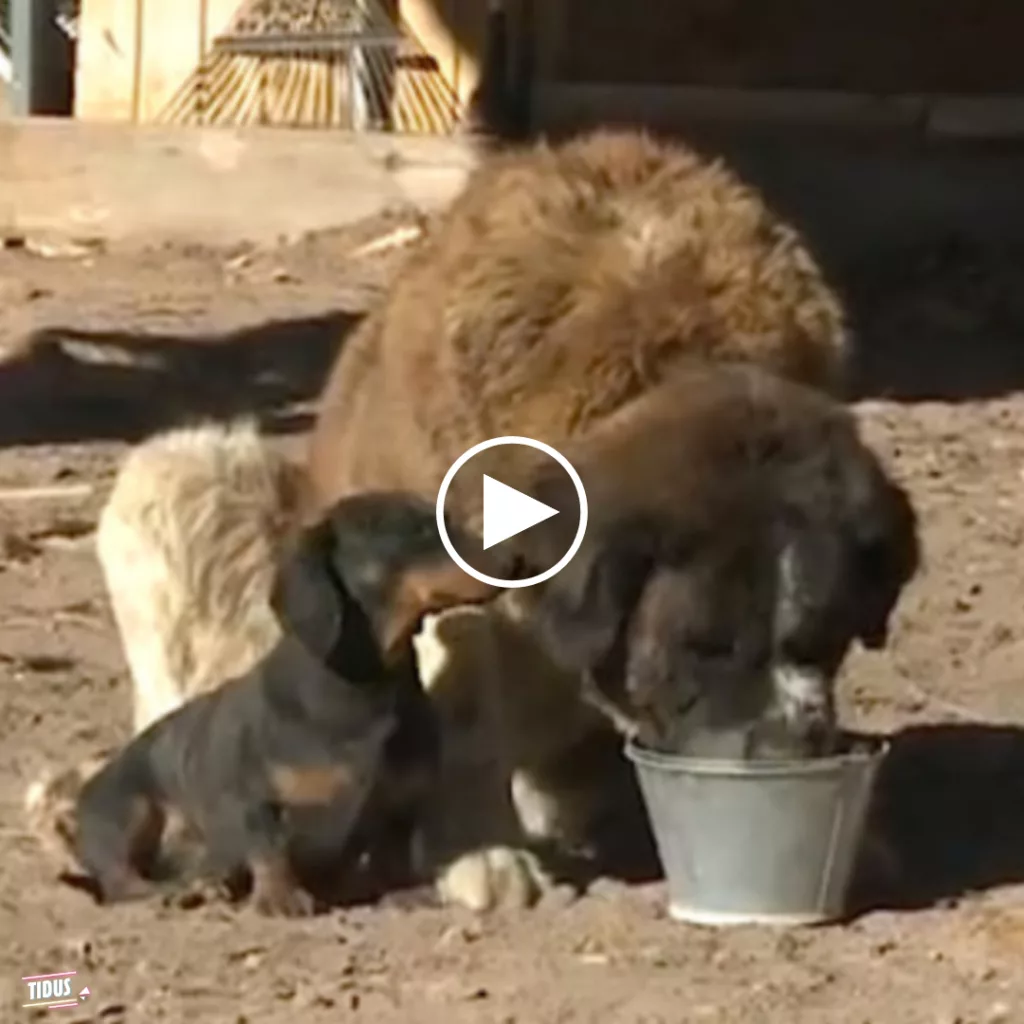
x=870, y=755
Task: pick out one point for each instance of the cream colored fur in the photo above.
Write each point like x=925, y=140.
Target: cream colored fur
x=187, y=623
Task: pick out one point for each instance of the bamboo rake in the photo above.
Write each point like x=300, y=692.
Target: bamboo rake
x=237, y=89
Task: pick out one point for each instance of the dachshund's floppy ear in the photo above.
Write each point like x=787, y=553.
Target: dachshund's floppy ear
x=886, y=546
x=388, y=553
x=306, y=596
x=578, y=614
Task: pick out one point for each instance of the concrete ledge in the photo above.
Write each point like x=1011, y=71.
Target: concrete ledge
x=219, y=186
x=116, y=182
x=981, y=118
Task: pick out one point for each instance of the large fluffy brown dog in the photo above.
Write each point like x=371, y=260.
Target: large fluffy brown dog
x=563, y=284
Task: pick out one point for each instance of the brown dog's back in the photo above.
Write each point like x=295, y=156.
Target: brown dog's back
x=562, y=283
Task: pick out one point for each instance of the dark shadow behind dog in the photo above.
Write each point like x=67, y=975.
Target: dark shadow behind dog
x=332, y=725
x=945, y=821
x=947, y=816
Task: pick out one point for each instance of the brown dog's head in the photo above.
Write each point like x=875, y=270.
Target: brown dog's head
x=357, y=584
x=720, y=588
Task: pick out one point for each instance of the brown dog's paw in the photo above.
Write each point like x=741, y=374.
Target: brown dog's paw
x=499, y=876
x=284, y=903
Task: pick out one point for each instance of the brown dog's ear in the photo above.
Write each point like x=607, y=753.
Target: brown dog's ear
x=579, y=613
x=306, y=595
x=423, y=588
x=886, y=547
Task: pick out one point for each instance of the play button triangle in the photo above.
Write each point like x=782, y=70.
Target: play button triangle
x=508, y=511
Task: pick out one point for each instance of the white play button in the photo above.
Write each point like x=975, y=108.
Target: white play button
x=508, y=511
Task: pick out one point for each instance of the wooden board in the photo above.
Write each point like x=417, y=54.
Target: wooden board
x=134, y=55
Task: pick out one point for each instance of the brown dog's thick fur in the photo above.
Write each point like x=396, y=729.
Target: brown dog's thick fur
x=205, y=487
x=562, y=284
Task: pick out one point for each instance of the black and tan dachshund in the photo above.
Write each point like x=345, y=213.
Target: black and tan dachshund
x=332, y=725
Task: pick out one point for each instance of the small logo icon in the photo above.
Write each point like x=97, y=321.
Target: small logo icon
x=508, y=511
x=54, y=991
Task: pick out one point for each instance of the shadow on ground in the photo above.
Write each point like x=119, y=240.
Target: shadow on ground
x=73, y=385
x=926, y=249
x=948, y=809
x=925, y=246
x=940, y=321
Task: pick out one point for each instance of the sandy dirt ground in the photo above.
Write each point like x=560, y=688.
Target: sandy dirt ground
x=201, y=332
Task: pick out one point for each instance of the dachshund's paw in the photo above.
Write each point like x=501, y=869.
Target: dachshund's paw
x=281, y=902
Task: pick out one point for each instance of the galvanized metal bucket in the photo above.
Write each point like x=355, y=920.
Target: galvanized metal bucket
x=758, y=842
